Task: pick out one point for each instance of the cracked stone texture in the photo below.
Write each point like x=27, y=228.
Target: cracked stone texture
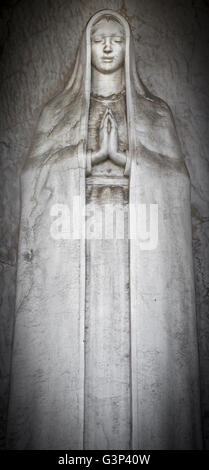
x=38, y=41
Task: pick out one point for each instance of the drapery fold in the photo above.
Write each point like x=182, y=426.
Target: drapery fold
x=46, y=409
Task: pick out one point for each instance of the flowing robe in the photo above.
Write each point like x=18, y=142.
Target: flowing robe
x=47, y=399
x=107, y=317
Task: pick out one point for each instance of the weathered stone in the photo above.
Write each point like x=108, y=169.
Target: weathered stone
x=172, y=52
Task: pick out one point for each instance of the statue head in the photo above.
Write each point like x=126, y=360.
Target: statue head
x=107, y=45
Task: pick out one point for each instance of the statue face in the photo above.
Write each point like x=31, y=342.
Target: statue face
x=107, y=46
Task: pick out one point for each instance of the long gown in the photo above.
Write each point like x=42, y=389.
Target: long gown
x=46, y=406
x=107, y=323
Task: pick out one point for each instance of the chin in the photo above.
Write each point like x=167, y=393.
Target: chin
x=107, y=68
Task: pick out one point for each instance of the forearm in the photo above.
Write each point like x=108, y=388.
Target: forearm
x=122, y=159
x=93, y=157
x=119, y=158
x=97, y=157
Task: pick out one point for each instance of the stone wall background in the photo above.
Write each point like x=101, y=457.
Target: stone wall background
x=38, y=41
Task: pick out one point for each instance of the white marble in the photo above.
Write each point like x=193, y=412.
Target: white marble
x=171, y=53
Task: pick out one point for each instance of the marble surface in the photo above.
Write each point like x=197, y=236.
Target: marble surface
x=107, y=371
x=171, y=48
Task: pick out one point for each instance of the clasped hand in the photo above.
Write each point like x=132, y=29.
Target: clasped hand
x=108, y=141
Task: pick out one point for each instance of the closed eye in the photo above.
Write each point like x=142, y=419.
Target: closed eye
x=118, y=39
x=97, y=39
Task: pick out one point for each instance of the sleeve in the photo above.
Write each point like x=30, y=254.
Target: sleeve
x=88, y=162
x=128, y=164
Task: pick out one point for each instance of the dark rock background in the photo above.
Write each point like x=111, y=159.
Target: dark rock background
x=38, y=41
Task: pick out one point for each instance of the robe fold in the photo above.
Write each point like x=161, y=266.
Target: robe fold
x=46, y=408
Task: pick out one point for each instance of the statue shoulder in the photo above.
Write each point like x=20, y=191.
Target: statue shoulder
x=48, y=114
x=159, y=108
x=165, y=111
x=156, y=127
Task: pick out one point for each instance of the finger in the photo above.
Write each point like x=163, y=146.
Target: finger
x=111, y=114
x=109, y=125
x=106, y=126
x=112, y=122
x=104, y=117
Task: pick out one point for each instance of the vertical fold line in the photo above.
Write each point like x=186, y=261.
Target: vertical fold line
x=85, y=142
x=132, y=267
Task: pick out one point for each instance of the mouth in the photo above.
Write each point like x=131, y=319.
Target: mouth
x=107, y=59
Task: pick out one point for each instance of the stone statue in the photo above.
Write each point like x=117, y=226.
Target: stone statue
x=105, y=345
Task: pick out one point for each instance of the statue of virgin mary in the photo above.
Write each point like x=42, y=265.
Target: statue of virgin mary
x=105, y=345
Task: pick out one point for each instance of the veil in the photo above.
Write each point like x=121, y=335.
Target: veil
x=46, y=408
x=64, y=119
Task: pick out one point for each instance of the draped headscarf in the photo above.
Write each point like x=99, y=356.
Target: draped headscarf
x=47, y=380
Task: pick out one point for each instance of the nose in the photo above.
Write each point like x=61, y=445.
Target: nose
x=107, y=45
